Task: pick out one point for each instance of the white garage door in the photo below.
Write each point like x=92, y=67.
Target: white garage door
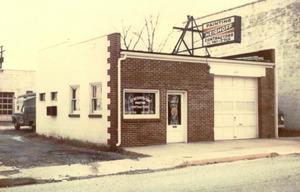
x=235, y=108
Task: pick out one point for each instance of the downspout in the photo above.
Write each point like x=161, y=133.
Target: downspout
x=276, y=100
x=122, y=58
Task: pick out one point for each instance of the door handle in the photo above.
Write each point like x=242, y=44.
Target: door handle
x=174, y=126
x=240, y=124
x=234, y=118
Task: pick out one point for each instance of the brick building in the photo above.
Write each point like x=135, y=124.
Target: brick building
x=128, y=98
x=270, y=24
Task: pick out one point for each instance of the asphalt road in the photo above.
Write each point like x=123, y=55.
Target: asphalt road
x=274, y=174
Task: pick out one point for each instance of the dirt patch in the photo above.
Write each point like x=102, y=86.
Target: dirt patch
x=16, y=182
x=25, y=149
x=284, y=132
x=13, y=182
x=91, y=147
x=70, y=142
x=9, y=172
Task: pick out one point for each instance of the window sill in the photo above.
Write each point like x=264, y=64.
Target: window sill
x=141, y=120
x=74, y=115
x=95, y=116
x=141, y=117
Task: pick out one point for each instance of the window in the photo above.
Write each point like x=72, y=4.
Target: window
x=75, y=99
x=96, y=91
x=42, y=96
x=6, y=103
x=53, y=96
x=141, y=104
x=174, y=109
x=51, y=111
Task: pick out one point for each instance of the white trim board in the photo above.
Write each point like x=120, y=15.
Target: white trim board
x=191, y=59
x=238, y=70
x=225, y=67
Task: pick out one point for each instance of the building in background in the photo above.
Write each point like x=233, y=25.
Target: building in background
x=270, y=24
x=14, y=83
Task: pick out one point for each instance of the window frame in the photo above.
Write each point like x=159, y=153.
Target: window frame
x=77, y=99
x=6, y=103
x=92, y=98
x=53, y=96
x=42, y=96
x=143, y=116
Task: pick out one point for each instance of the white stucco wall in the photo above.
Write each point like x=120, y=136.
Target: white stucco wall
x=73, y=64
x=17, y=81
x=271, y=24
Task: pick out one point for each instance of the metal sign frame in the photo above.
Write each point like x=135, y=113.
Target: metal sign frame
x=192, y=27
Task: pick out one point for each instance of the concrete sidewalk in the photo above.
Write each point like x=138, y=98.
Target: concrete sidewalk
x=221, y=148
x=163, y=157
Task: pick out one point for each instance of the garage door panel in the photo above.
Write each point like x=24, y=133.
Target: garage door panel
x=218, y=82
x=249, y=83
x=239, y=82
x=247, y=106
x=223, y=120
x=226, y=95
x=227, y=82
x=228, y=133
x=218, y=106
x=227, y=120
x=223, y=134
x=218, y=133
x=245, y=95
x=223, y=107
x=218, y=121
x=247, y=120
x=250, y=94
x=227, y=106
x=223, y=94
x=239, y=95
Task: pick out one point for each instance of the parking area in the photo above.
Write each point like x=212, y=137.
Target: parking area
x=25, y=149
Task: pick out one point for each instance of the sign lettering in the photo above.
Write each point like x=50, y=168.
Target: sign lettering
x=223, y=31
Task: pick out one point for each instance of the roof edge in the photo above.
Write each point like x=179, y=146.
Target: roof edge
x=187, y=58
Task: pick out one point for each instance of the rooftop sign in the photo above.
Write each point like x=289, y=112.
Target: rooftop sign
x=222, y=31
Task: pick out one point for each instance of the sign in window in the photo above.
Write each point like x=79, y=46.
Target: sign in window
x=141, y=104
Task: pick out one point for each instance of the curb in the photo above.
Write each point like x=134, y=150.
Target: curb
x=228, y=159
x=9, y=182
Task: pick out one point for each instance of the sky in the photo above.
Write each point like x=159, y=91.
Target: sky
x=27, y=26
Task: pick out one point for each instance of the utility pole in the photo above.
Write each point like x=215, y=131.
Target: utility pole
x=1, y=56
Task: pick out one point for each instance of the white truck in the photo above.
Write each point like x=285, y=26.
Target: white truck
x=25, y=114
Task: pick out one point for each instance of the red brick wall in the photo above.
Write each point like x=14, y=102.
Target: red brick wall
x=266, y=105
x=169, y=75
x=114, y=50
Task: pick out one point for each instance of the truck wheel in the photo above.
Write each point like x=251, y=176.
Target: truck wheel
x=17, y=126
x=33, y=128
